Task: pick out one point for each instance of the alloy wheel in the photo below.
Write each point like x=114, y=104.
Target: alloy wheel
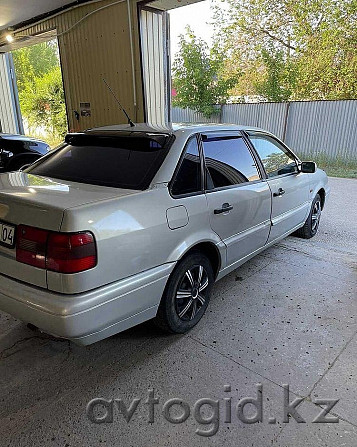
x=190, y=295
x=315, y=216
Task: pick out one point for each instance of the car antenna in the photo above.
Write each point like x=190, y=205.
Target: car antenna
x=117, y=100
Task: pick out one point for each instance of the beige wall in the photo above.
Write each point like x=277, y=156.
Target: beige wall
x=98, y=46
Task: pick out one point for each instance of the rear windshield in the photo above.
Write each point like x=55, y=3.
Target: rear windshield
x=130, y=161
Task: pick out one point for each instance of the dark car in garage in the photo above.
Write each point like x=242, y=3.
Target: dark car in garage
x=18, y=150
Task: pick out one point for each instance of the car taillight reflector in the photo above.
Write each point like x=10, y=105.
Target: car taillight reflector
x=31, y=246
x=59, y=252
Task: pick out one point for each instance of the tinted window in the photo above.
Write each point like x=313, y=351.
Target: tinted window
x=188, y=178
x=276, y=159
x=121, y=162
x=14, y=146
x=229, y=162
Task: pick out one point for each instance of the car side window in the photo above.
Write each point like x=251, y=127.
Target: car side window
x=188, y=178
x=228, y=161
x=277, y=160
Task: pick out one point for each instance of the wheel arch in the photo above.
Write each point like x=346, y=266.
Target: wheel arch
x=322, y=193
x=210, y=250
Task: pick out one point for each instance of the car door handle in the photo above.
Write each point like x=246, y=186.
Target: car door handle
x=225, y=208
x=279, y=193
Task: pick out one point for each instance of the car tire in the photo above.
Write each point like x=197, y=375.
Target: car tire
x=186, y=295
x=313, y=221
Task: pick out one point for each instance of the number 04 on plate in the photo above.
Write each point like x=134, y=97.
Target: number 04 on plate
x=7, y=235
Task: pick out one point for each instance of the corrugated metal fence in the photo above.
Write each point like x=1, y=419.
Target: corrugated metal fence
x=325, y=129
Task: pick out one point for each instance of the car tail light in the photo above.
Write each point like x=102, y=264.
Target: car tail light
x=70, y=253
x=59, y=252
x=31, y=246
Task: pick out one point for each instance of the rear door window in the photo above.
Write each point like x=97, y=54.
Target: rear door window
x=188, y=178
x=129, y=162
x=228, y=161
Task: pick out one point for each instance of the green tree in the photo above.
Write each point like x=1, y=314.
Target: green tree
x=199, y=77
x=35, y=61
x=43, y=103
x=314, y=40
x=39, y=82
x=278, y=81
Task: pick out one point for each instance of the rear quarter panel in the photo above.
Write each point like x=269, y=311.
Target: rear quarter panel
x=132, y=235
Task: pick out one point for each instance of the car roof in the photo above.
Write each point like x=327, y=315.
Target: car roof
x=171, y=128
x=12, y=136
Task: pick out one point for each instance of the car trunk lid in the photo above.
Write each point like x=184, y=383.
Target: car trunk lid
x=40, y=202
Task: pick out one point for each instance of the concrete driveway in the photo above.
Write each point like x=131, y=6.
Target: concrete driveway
x=286, y=317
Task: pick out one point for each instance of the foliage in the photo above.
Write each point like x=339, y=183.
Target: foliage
x=198, y=75
x=278, y=81
x=34, y=61
x=340, y=171
x=332, y=68
x=337, y=166
x=43, y=103
x=39, y=82
x=292, y=49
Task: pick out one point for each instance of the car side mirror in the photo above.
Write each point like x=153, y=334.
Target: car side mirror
x=309, y=167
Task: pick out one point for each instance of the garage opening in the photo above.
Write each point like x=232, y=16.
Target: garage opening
x=40, y=88
x=154, y=36
x=159, y=45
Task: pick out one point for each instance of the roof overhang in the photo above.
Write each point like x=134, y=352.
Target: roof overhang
x=18, y=14
x=166, y=5
x=15, y=14
x=26, y=41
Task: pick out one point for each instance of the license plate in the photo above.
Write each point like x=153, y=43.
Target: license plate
x=7, y=235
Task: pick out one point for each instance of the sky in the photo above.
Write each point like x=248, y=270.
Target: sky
x=197, y=15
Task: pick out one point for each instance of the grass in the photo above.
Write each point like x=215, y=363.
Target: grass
x=340, y=171
x=336, y=167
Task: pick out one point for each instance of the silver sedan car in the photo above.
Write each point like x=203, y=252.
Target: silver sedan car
x=124, y=224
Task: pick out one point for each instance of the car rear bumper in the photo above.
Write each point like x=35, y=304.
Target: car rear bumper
x=91, y=316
